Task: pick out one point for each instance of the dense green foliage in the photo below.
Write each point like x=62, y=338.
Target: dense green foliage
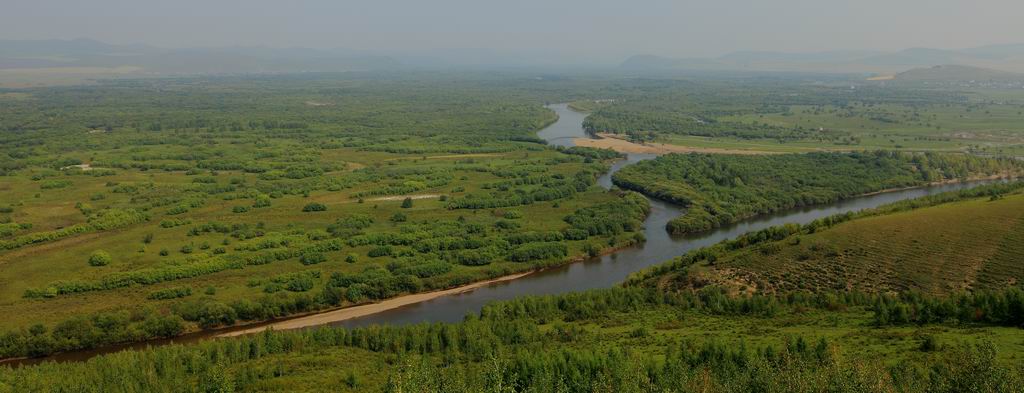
x=785, y=115
x=722, y=189
x=703, y=108
x=533, y=343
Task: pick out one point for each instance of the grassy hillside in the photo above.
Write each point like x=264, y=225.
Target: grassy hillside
x=721, y=189
x=972, y=242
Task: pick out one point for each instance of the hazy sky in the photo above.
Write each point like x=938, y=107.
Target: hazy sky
x=595, y=30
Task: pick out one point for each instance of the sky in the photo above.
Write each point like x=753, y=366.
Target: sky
x=586, y=30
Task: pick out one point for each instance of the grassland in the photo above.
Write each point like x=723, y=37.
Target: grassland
x=833, y=117
x=226, y=201
x=968, y=245
x=652, y=334
x=140, y=209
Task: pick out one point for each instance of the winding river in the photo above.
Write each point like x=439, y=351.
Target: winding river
x=599, y=272
x=609, y=270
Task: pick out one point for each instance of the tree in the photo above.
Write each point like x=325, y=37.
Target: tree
x=407, y=203
x=99, y=258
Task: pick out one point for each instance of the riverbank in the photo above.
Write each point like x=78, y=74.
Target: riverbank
x=343, y=314
x=347, y=313
x=617, y=143
x=998, y=176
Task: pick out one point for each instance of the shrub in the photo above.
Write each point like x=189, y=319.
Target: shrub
x=532, y=251
x=179, y=209
x=407, y=203
x=170, y=293
x=314, y=207
x=99, y=258
x=262, y=200
x=300, y=283
x=312, y=258
x=930, y=344
x=216, y=314
x=380, y=251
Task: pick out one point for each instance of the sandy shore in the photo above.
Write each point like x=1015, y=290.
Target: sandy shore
x=367, y=309
x=615, y=142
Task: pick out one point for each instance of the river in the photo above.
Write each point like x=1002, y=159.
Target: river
x=609, y=270
x=599, y=272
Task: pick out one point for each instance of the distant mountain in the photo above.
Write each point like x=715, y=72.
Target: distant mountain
x=951, y=73
x=755, y=57
x=651, y=62
x=997, y=57
x=73, y=54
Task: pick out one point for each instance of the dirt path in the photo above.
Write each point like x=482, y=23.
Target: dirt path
x=615, y=142
x=367, y=309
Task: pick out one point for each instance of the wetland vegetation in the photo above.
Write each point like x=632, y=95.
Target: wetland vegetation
x=141, y=209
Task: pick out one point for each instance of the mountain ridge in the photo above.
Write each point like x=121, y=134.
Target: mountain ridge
x=1004, y=57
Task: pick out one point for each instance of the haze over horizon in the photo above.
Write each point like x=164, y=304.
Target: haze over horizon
x=570, y=32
